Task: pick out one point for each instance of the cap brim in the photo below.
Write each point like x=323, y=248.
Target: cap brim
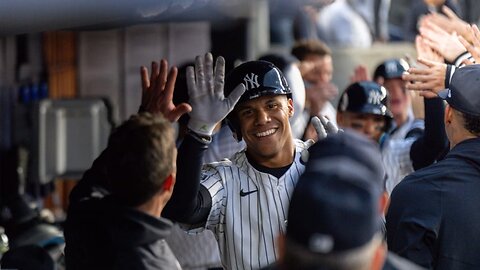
x=444, y=94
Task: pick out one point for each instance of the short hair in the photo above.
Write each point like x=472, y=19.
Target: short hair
x=298, y=257
x=141, y=156
x=306, y=47
x=471, y=123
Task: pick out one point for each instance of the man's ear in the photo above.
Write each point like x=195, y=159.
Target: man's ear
x=291, y=109
x=448, y=114
x=384, y=202
x=169, y=183
x=379, y=257
x=340, y=120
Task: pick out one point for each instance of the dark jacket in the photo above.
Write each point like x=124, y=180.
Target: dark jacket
x=434, y=216
x=102, y=233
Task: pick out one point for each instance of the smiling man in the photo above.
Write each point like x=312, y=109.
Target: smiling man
x=244, y=199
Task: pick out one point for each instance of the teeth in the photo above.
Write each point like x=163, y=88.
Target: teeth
x=265, y=133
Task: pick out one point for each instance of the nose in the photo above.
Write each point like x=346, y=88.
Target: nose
x=262, y=117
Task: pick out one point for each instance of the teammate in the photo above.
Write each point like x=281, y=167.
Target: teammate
x=113, y=220
x=433, y=217
x=121, y=228
x=409, y=146
x=243, y=200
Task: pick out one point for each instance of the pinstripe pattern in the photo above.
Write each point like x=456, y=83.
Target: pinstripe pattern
x=396, y=153
x=247, y=227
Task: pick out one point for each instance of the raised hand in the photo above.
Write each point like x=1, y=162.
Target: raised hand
x=446, y=44
x=426, y=52
x=157, y=91
x=324, y=127
x=431, y=78
x=360, y=74
x=474, y=47
x=205, y=88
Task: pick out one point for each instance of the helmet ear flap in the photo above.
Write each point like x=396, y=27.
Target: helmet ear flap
x=234, y=127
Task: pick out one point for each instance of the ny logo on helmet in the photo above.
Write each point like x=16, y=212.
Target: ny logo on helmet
x=375, y=98
x=251, y=81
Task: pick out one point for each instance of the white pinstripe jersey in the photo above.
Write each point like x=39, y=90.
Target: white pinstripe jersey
x=246, y=227
x=396, y=153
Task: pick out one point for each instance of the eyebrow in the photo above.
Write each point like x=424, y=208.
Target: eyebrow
x=244, y=106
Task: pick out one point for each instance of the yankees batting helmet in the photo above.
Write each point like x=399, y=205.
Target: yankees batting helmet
x=261, y=78
x=365, y=97
x=391, y=69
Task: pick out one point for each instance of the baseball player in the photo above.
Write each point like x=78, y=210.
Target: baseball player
x=242, y=200
x=407, y=147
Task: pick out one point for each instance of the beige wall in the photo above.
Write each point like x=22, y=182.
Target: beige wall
x=345, y=60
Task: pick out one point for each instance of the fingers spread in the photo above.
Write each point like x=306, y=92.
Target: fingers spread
x=200, y=72
x=319, y=128
x=209, y=71
x=219, y=75
x=144, y=78
x=235, y=95
x=191, y=85
x=170, y=84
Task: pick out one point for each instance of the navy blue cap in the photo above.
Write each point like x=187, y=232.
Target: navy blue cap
x=354, y=146
x=391, y=69
x=365, y=97
x=334, y=208
x=463, y=93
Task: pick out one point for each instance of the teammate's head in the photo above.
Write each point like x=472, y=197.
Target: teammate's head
x=333, y=218
x=389, y=74
x=261, y=116
x=319, y=56
x=362, y=107
x=141, y=158
x=462, y=116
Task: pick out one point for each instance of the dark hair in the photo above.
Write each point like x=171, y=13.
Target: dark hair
x=471, y=123
x=303, y=48
x=141, y=156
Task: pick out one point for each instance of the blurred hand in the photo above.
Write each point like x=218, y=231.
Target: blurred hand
x=429, y=80
x=157, y=91
x=426, y=52
x=360, y=74
x=446, y=44
x=474, y=47
x=449, y=22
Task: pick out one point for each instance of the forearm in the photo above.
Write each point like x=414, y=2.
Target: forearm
x=426, y=149
x=190, y=202
x=94, y=181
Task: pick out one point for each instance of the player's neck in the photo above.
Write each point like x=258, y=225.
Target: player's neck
x=280, y=159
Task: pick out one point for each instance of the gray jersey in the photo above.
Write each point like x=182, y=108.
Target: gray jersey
x=249, y=209
x=396, y=153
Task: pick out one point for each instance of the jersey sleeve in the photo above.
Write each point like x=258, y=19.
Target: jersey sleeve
x=212, y=181
x=397, y=162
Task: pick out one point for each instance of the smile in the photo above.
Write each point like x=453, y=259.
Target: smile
x=265, y=133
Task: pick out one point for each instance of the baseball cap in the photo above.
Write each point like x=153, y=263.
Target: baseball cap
x=391, y=69
x=365, y=97
x=354, y=146
x=334, y=209
x=463, y=93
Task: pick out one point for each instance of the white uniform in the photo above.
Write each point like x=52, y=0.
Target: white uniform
x=396, y=152
x=249, y=208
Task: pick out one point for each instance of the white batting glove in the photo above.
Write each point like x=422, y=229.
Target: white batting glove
x=205, y=89
x=324, y=127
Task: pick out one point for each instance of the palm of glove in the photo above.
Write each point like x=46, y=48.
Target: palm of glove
x=205, y=88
